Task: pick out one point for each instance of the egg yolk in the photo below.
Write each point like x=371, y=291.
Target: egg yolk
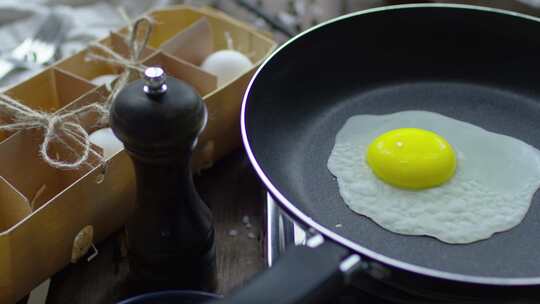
x=411, y=158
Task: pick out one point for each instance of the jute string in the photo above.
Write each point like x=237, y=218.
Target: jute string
x=63, y=127
x=130, y=64
x=56, y=127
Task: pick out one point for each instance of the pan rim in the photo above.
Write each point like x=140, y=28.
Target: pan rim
x=300, y=216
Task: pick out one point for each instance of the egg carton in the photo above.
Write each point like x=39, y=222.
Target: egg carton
x=48, y=216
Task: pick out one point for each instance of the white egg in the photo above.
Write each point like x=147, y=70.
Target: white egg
x=226, y=65
x=104, y=79
x=491, y=191
x=106, y=140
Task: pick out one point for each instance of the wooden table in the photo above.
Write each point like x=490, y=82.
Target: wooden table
x=232, y=191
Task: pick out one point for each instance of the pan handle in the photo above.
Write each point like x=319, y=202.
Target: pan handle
x=303, y=274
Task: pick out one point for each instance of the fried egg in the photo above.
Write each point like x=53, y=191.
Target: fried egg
x=422, y=173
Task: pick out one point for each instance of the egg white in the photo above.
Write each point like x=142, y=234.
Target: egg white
x=491, y=191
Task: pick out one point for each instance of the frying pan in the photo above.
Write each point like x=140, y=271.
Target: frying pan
x=474, y=64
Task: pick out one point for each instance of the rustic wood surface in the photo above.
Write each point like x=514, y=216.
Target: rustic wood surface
x=232, y=191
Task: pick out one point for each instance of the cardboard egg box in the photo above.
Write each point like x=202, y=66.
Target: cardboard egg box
x=45, y=212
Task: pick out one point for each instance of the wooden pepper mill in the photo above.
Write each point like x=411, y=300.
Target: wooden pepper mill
x=170, y=236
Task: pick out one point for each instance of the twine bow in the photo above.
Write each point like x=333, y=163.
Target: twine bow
x=55, y=127
x=62, y=127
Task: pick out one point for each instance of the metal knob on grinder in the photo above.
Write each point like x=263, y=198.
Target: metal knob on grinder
x=170, y=235
x=155, y=81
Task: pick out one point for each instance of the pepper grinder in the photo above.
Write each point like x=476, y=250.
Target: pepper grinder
x=170, y=236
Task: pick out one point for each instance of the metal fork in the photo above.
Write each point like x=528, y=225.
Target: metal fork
x=38, y=50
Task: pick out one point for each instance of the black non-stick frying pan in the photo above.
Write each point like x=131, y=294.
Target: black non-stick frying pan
x=474, y=64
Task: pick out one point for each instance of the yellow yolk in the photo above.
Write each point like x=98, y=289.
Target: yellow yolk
x=411, y=158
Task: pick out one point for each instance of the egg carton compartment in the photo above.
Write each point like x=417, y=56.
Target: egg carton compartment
x=207, y=36
x=167, y=23
x=95, y=71
x=192, y=44
x=50, y=90
x=203, y=82
x=47, y=91
x=21, y=195
x=13, y=206
x=92, y=121
x=169, y=28
x=89, y=120
x=20, y=154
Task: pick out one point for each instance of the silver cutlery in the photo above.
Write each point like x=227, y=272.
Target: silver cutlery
x=37, y=50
